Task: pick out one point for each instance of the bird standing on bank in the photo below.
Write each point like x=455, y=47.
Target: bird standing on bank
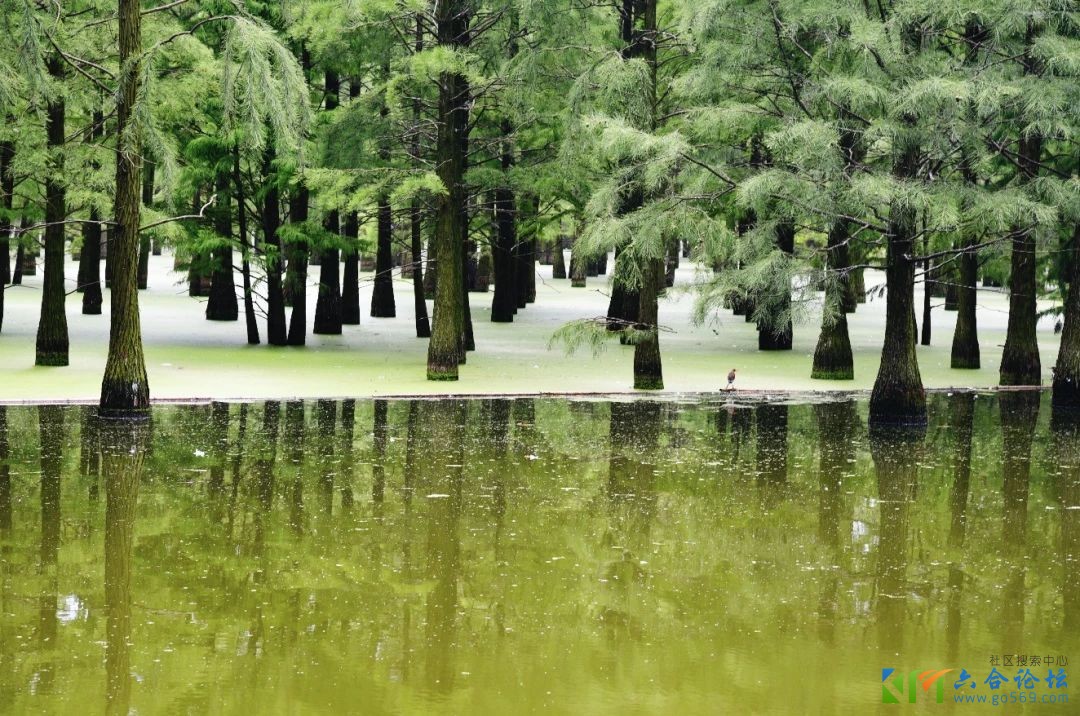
x=731, y=380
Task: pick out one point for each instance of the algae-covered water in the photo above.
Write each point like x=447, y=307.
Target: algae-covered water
x=544, y=556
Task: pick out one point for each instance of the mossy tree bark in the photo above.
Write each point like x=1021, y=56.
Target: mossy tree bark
x=898, y=396
x=445, y=349
x=222, y=305
x=52, y=332
x=648, y=370
x=124, y=388
x=965, y=345
x=832, y=357
x=1066, y=386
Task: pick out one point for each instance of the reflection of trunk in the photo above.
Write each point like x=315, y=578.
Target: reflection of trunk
x=295, y=430
x=1019, y=414
x=5, y=473
x=378, y=444
x=1065, y=429
x=837, y=424
x=772, y=444
x=441, y=436
x=895, y=452
x=52, y=332
x=124, y=444
x=51, y=425
x=326, y=416
x=961, y=423
x=1066, y=392
x=348, y=433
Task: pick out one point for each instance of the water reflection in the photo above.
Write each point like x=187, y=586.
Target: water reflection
x=525, y=555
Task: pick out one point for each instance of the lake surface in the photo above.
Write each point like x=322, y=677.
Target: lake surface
x=545, y=556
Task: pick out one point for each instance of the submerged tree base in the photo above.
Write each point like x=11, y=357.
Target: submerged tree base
x=644, y=382
x=442, y=373
x=833, y=373
x=51, y=360
x=121, y=399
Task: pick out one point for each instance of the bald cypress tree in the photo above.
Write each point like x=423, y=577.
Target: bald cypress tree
x=52, y=333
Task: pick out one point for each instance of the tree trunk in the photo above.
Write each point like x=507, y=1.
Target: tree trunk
x=7, y=195
x=898, y=396
x=558, y=260
x=90, y=266
x=648, y=372
x=832, y=357
x=423, y=328
x=777, y=335
x=382, y=296
x=297, y=271
x=245, y=252
x=52, y=332
x=504, y=300
x=124, y=388
x=1020, y=362
x=445, y=347
x=578, y=275
x=929, y=273
x=965, y=345
x=328, y=305
x=1066, y=386
x=350, y=277
x=144, y=239
x=222, y=304
x=271, y=222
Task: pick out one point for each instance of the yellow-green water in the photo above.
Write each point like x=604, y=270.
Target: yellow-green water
x=543, y=556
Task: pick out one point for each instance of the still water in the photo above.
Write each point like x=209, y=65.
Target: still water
x=545, y=556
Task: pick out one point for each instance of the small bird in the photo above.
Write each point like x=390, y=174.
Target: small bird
x=731, y=380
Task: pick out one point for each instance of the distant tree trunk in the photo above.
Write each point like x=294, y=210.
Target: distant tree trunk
x=328, y=306
x=430, y=275
x=504, y=299
x=222, y=304
x=648, y=372
x=90, y=265
x=671, y=263
x=124, y=388
x=271, y=222
x=445, y=347
x=350, y=277
x=1066, y=386
x=578, y=273
x=144, y=239
x=776, y=335
x=52, y=333
x=296, y=272
x=423, y=329
x=382, y=296
x=558, y=260
x=245, y=251
x=965, y=345
x=832, y=357
x=7, y=195
x=929, y=274
x=20, y=259
x=898, y=395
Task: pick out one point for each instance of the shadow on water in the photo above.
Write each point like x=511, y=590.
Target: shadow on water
x=515, y=555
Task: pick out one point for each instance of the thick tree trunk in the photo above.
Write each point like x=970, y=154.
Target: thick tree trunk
x=297, y=270
x=1066, y=386
x=350, y=277
x=898, y=396
x=271, y=222
x=328, y=306
x=776, y=334
x=558, y=260
x=52, y=332
x=832, y=357
x=445, y=349
x=423, y=328
x=124, y=388
x=245, y=252
x=382, y=296
x=504, y=300
x=222, y=304
x=965, y=345
x=1020, y=361
x=648, y=371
